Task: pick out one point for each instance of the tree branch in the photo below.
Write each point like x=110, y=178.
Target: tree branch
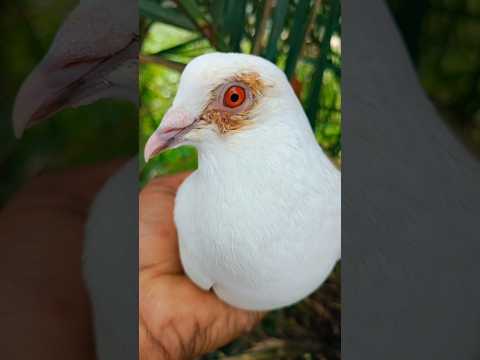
x=267, y=9
x=150, y=59
x=311, y=23
x=191, y=10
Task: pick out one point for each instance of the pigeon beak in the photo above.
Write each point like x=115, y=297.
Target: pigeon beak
x=174, y=126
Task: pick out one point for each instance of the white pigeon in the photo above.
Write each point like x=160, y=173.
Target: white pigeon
x=259, y=222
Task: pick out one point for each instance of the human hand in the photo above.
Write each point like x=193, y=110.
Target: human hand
x=177, y=320
x=45, y=309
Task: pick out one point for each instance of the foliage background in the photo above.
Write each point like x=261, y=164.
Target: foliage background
x=303, y=38
x=300, y=36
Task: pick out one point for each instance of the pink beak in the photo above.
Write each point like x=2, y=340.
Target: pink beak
x=175, y=124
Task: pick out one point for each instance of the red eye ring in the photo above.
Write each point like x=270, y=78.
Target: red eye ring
x=234, y=96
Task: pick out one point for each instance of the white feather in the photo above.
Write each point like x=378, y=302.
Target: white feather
x=259, y=221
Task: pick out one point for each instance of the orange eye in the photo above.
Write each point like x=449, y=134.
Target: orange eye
x=234, y=96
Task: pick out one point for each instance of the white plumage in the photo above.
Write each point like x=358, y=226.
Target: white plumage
x=259, y=221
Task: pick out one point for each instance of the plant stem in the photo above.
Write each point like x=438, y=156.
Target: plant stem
x=150, y=59
x=314, y=96
x=267, y=9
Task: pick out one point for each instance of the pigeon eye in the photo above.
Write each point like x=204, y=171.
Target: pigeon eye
x=234, y=96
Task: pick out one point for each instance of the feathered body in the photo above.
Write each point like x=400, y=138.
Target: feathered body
x=259, y=221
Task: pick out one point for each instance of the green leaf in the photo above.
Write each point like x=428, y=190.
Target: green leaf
x=186, y=51
x=172, y=16
x=196, y=15
x=337, y=71
x=235, y=18
x=180, y=47
x=217, y=10
x=258, y=16
x=262, y=16
x=297, y=35
x=317, y=80
x=278, y=21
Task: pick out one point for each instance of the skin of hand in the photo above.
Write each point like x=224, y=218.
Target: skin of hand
x=45, y=309
x=177, y=320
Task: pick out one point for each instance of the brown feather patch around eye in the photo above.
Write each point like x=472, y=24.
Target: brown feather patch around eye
x=225, y=122
x=252, y=80
x=230, y=122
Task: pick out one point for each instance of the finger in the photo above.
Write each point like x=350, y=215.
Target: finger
x=202, y=322
x=170, y=182
x=158, y=243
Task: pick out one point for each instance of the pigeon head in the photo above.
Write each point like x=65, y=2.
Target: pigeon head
x=93, y=56
x=220, y=96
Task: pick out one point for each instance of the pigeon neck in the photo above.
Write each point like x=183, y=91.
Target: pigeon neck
x=259, y=147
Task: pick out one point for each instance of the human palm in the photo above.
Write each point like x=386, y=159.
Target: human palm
x=177, y=320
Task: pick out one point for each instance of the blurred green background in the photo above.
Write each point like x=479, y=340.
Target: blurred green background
x=303, y=38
